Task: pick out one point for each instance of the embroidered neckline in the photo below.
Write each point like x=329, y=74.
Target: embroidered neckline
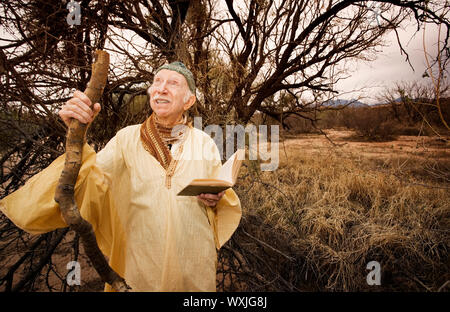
x=153, y=143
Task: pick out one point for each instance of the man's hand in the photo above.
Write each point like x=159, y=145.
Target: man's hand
x=79, y=107
x=210, y=200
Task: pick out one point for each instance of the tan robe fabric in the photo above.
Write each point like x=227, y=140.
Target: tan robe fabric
x=156, y=240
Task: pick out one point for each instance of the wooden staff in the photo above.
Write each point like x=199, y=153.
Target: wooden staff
x=64, y=194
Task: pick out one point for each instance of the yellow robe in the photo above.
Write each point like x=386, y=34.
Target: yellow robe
x=154, y=239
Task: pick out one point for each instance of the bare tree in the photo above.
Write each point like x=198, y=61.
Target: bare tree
x=274, y=48
x=277, y=57
x=416, y=104
x=42, y=61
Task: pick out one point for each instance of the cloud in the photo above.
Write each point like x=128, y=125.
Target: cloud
x=390, y=66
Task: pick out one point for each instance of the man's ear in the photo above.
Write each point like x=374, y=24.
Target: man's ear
x=190, y=102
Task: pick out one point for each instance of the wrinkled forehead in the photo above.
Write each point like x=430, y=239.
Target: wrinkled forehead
x=167, y=74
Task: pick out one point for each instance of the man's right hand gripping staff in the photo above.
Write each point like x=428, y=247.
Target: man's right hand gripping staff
x=79, y=107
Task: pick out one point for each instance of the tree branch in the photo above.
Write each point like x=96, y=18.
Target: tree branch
x=65, y=190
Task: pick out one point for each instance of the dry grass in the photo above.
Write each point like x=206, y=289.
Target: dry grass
x=316, y=222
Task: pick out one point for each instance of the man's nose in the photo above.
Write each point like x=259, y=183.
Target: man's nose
x=161, y=87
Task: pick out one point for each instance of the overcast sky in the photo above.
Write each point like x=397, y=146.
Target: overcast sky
x=390, y=66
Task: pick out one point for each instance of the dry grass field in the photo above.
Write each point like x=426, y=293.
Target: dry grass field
x=327, y=211
x=331, y=208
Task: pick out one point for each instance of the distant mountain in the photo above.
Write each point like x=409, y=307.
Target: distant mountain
x=341, y=102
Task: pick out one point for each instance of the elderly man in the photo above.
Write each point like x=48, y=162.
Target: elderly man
x=154, y=239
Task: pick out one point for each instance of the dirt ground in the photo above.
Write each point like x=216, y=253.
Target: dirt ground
x=344, y=141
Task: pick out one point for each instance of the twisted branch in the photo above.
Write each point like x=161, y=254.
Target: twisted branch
x=64, y=195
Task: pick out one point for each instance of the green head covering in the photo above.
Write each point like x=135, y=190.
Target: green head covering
x=181, y=69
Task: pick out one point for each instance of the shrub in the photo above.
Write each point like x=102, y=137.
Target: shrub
x=372, y=123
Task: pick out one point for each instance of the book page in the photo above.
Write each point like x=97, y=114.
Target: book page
x=240, y=156
x=226, y=172
x=226, y=178
x=230, y=168
x=214, y=182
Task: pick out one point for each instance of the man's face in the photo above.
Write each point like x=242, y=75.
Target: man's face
x=168, y=94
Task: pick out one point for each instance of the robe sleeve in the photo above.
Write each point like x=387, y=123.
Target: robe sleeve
x=225, y=217
x=33, y=208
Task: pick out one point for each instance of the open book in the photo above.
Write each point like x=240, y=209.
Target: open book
x=226, y=178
